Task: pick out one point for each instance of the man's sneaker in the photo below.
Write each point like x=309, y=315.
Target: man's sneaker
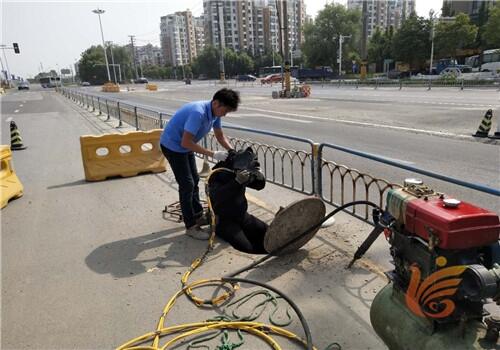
x=197, y=233
x=203, y=220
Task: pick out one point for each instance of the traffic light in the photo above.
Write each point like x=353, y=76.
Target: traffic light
x=16, y=47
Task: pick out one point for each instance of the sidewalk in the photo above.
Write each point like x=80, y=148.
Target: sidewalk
x=93, y=264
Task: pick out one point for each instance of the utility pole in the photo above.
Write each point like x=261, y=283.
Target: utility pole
x=341, y=40
x=7, y=66
x=364, y=40
x=133, y=55
x=220, y=18
x=286, y=47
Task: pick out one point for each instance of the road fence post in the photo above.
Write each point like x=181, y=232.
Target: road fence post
x=119, y=115
x=161, y=120
x=136, y=119
x=316, y=160
x=99, y=105
x=107, y=111
x=400, y=84
x=93, y=106
x=429, y=84
x=462, y=85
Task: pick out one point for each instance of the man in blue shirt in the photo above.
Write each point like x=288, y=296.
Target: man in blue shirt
x=179, y=143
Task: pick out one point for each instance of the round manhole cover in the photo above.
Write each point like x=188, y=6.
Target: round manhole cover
x=292, y=222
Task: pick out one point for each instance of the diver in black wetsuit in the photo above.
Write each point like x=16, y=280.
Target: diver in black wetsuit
x=226, y=189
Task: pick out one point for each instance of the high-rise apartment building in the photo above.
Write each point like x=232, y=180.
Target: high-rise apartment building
x=384, y=14
x=149, y=55
x=199, y=33
x=253, y=25
x=178, y=38
x=471, y=8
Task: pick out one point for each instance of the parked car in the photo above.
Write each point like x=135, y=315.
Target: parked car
x=141, y=80
x=85, y=83
x=24, y=85
x=271, y=78
x=395, y=74
x=245, y=77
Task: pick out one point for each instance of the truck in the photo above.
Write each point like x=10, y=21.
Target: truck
x=320, y=73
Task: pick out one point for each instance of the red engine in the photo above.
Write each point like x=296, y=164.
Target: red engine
x=435, y=239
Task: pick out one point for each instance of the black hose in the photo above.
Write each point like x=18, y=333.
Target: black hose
x=314, y=227
x=302, y=319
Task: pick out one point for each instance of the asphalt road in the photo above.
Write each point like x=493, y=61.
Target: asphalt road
x=429, y=130
x=90, y=265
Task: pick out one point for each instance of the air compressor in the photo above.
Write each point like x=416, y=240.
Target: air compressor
x=446, y=258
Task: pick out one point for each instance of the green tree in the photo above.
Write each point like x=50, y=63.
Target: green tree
x=411, y=42
x=450, y=36
x=237, y=63
x=92, y=64
x=322, y=36
x=491, y=35
x=267, y=60
x=380, y=47
x=207, y=63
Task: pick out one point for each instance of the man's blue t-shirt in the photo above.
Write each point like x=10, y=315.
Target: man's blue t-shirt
x=195, y=118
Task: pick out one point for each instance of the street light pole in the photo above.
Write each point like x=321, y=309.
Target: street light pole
x=341, y=39
x=99, y=12
x=110, y=44
x=431, y=15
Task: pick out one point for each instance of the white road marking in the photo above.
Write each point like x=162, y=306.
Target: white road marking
x=21, y=105
x=17, y=110
x=439, y=133
x=246, y=115
x=9, y=119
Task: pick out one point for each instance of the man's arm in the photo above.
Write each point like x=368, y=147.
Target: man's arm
x=219, y=135
x=187, y=142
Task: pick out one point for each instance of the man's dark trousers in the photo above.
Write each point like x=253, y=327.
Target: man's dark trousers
x=184, y=167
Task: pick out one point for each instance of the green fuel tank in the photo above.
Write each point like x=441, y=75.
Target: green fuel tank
x=400, y=329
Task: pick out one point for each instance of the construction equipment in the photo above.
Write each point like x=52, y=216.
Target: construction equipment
x=446, y=255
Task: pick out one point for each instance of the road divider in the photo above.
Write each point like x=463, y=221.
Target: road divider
x=9, y=182
x=124, y=155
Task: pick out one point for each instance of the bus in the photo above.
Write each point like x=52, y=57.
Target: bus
x=474, y=62
x=490, y=61
x=264, y=71
x=50, y=82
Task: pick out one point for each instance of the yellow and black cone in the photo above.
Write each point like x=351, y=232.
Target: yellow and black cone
x=16, y=142
x=485, y=126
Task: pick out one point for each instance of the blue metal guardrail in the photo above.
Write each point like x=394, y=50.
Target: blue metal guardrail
x=298, y=170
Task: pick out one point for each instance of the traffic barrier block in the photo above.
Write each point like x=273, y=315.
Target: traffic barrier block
x=9, y=182
x=122, y=155
x=152, y=87
x=110, y=87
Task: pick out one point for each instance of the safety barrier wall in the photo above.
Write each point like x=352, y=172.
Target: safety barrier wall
x=121, y=154
x=305, y=170
x=10, y=185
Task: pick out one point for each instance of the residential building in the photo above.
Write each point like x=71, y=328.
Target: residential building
x=149, y=55
x=384, y=14
x=199, y=33
x=471, y=8
x=252, y=25
x=177, y=37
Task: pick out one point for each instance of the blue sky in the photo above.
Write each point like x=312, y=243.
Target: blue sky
x=53, y=34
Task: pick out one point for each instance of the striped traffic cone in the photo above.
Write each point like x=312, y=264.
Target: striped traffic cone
x=485, y=126
x=16, y=142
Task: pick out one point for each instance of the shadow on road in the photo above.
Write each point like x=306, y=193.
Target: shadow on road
x=137, y=255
